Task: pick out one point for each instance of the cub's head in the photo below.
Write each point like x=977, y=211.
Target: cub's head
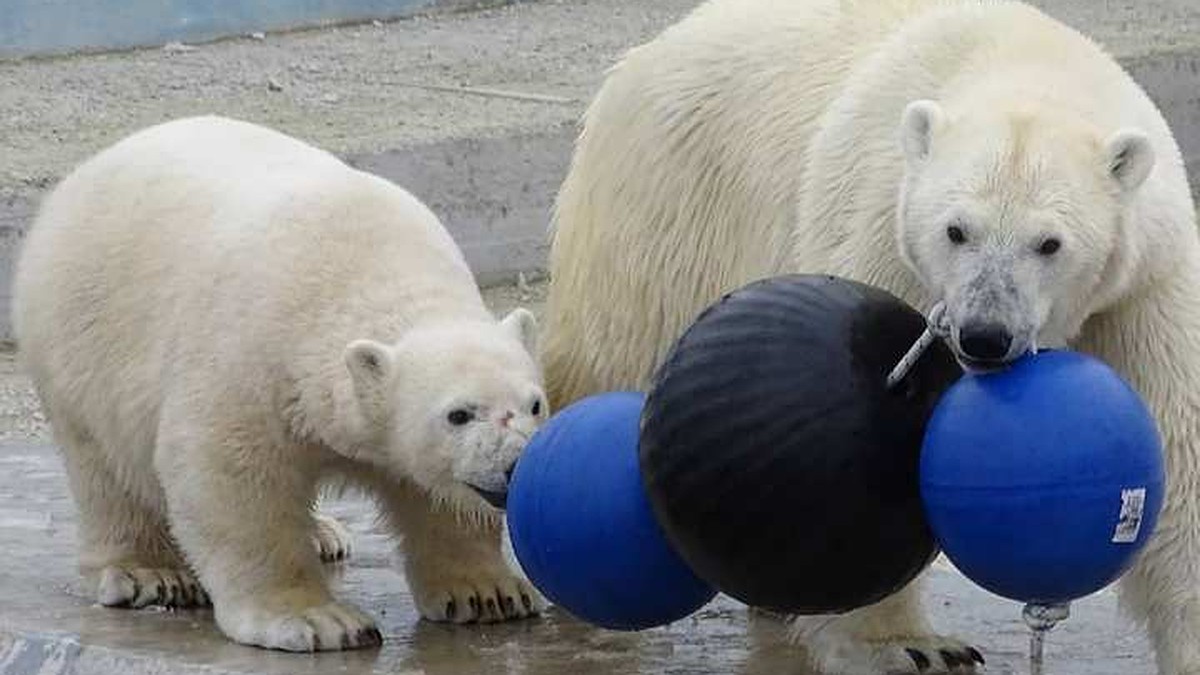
x=1015, y=218
x=451, y=406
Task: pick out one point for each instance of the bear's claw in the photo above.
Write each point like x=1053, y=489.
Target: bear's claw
x=137, y=587
x=462, y=601
x=953, y=661
x=838, y=648
x=922, y=662
x=331, y=538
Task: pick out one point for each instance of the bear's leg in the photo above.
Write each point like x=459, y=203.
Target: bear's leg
x=126, y=548
x=331, y=538
x=455, y=562
x=239, y=507
x=887, y=638
x=1163, y=588
x=1151, y=340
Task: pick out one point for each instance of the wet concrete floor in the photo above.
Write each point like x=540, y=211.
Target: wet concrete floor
x=50, y=626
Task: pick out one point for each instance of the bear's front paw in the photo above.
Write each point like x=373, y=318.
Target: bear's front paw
x=926, y=655
x=461, y=595
x=328, y=627
x=331, y=538
x=136, y=587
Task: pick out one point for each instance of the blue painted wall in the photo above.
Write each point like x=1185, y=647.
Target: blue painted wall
x=62, y=26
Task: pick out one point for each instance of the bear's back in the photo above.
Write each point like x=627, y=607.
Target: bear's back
x=208, y=240
x=199, y=203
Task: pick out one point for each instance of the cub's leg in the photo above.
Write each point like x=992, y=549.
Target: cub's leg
x=126, y=549
x=455, y=564
x=239, y=500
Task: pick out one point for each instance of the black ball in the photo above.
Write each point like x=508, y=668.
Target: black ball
x=780, y=466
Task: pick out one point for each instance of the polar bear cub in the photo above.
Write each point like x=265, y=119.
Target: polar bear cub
x=219, y=319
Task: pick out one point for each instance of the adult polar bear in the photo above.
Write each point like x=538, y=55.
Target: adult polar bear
x=974, y=152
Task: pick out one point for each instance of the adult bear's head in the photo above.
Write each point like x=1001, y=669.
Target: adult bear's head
x=1015, y=215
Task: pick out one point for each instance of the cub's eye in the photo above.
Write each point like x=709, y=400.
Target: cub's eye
x=460, y=417
x=956, y=235
x=1049, y=246
x=537, y=408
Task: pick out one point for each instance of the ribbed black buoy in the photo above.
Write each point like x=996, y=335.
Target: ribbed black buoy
x=777, y=461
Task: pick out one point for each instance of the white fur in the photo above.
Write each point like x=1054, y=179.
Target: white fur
x=218, y=319
x=843, y=136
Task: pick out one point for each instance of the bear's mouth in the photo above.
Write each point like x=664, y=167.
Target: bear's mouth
x=496, y=498
x=974, y=365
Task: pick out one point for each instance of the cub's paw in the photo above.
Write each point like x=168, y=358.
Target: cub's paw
x=136, y=587
x=329, y=627
x=331, y=538
x=460, y=595
x=926, y=655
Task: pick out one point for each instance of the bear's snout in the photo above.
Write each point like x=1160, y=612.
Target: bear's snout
x=986, y=342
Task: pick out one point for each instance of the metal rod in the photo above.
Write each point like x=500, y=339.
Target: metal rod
x=1041, y=619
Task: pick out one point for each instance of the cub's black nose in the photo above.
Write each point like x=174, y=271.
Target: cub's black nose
x=984, y=341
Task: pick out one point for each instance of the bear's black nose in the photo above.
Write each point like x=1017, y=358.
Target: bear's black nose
x=508, y=473
x=984, y=341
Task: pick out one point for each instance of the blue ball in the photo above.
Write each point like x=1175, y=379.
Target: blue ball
x=1043, y=481
x=582, y=528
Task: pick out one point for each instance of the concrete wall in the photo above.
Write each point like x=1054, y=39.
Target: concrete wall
x=39, y=27
x=494, y=194
x=1172, y=80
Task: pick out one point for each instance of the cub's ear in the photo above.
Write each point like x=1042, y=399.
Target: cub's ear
x=521, y=324
x=372, y=365
x=369, y=361
x=1130, y=158
x=920, y=121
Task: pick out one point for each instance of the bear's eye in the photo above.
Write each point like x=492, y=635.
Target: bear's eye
x=459, y=417
x=956, y=235
x=1049, y=246
x=537, y=408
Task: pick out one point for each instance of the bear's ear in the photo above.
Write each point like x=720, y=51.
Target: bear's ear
x=371, y=365
x=1130, y=158
x=521, y=324
x=918, y=124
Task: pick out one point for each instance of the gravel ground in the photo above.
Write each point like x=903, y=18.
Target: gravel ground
x=21, y=418
x=350, y=90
